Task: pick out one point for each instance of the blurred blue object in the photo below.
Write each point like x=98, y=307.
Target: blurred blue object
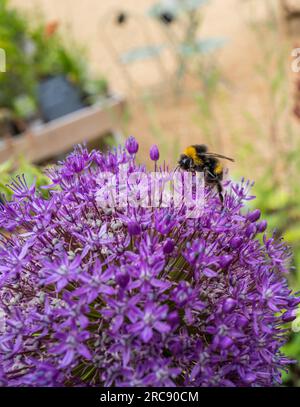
x=175, y=6
x=57, y=97
x=139, y=54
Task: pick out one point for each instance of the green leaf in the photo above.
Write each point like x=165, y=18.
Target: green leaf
x=293, y=234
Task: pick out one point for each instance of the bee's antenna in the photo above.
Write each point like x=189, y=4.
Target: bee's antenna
x=176, y=168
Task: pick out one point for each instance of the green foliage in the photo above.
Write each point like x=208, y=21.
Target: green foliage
x=18, y=78
x=24, y=106
x=292, y=350
x=33, y=52
x=51, y=56
x=10, y=169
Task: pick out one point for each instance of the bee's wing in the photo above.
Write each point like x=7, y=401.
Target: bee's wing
x=219, y=156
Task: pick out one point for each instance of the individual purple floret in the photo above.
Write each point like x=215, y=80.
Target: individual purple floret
x=154, y=153
x=127, y=295
x=131, y=145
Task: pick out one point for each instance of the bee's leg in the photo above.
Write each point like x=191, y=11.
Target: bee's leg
x=218, y=184
x=220, y=190
x=209, y=177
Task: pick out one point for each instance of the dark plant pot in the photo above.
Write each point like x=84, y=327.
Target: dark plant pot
x=57, y=97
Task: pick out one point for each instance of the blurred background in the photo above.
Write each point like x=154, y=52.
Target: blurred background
x=170, y=72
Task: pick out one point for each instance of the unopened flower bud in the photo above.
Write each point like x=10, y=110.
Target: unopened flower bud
x=131, y=145
x=154, y=153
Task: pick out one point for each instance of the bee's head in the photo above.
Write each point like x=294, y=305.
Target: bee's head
x=185, y=162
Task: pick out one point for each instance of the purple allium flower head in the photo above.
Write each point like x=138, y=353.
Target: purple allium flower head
x=137, y=295
x=154, y=153
x=131, y=145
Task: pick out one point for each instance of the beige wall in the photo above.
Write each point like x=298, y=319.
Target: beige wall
x=85, y=20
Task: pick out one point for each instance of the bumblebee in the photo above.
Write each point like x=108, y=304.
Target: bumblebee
x=197, y=158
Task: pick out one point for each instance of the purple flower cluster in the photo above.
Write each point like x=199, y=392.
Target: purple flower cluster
x=137, y=296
